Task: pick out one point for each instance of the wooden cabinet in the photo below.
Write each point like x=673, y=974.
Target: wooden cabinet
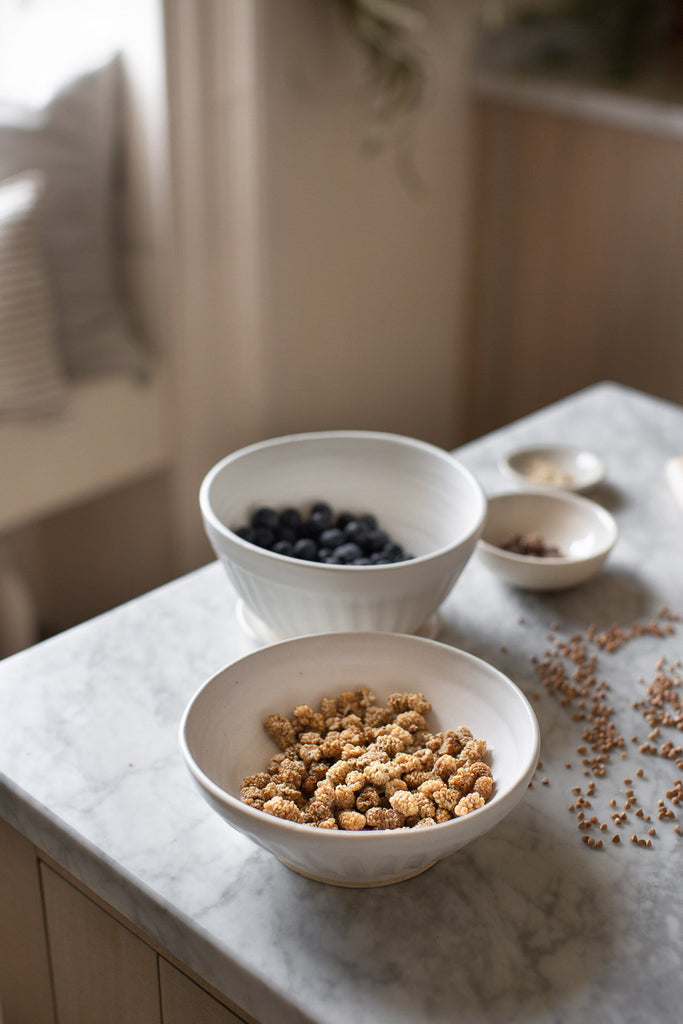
x=183, y=1001
x=25, y=989
x=65, y=958
x=101, y=971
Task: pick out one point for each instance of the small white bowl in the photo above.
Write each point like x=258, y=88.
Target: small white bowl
x=223, y=740
x=583, y=531
x=558, y=466
x=422, y=496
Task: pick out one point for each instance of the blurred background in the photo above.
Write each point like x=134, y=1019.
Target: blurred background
x=225, y=220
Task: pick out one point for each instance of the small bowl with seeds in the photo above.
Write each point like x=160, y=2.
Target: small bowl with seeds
x=557, y=466
x=545, y=540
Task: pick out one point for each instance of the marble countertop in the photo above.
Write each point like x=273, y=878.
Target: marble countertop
x=528, y=924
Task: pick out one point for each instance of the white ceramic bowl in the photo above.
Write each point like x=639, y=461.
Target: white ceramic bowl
x=561, y=466
x=223, y=740
x=422, y=496
x=582, y=530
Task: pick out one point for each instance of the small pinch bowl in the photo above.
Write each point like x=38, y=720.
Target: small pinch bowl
x=222, y=740
x=557, y=466
x=581, y=529
x=422, y=496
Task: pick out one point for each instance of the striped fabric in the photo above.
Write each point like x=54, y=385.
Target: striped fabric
x=32, y=381
x=74, y=141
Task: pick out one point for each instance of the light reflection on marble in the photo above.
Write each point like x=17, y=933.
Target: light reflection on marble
x=526, y=925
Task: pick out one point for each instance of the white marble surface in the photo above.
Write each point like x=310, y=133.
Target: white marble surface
x=525, y=925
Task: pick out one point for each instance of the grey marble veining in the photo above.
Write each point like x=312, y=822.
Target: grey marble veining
x=525, y=925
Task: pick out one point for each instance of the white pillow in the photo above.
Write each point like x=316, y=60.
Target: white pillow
x=74, y=141
x=32, y=380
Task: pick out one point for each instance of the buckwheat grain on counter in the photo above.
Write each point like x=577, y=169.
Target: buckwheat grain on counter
x=357, y=766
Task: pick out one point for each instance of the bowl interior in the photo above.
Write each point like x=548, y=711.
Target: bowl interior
x=420, y=494
x=578, y=527
x=222, y=731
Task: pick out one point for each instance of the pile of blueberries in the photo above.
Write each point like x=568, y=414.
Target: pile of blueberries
x=323, y=536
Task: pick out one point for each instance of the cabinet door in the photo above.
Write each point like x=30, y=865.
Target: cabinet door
x=25, y=993
x=183, y=1001
x=103, y=974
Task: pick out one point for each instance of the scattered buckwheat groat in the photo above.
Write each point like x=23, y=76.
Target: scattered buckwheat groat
x=358, y=766
x=569, y=671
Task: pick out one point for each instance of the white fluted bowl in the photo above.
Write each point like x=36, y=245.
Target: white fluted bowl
x=421, y=495
x=223, y=740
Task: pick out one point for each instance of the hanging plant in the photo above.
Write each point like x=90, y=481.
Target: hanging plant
x=388, y=32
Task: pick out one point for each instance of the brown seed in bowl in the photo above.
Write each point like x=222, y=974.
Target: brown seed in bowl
x=530, y=544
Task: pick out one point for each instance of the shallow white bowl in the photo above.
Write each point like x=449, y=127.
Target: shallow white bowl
x=223, y=740
x=561, y=466
x=581, y=529
x=422, y=496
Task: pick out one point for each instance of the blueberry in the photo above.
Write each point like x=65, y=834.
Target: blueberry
x=356, y=531
x=283, y=547
x=306, y=548
x=320, y=517
x=340, y=539
x=331, y=538
x=263, y=537
x=310, y=528
x=375, y=541
x=266, y=517
x=347, y=552
x=291, y=519
x=379, y=558
x=393, y=552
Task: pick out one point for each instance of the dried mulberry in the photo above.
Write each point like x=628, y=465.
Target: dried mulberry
x=471, y=802
x=355, y=765
x=351, y=821
x=280, y=730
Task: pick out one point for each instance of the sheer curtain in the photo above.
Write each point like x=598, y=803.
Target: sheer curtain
x=214, y=102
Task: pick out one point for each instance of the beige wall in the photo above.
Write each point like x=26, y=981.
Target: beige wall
x=314, y=287
x=363, y=265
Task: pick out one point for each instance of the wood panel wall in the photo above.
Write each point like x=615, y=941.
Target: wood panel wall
x=576, y=271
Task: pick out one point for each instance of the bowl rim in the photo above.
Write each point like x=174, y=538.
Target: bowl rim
x=557, y=496
x=216, y=524
x=546, y=450
x=482, y=814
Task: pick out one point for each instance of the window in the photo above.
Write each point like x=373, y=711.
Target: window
x=42, y=42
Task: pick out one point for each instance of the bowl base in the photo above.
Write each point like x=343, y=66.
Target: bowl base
x=257, y=629
x=357, y=885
